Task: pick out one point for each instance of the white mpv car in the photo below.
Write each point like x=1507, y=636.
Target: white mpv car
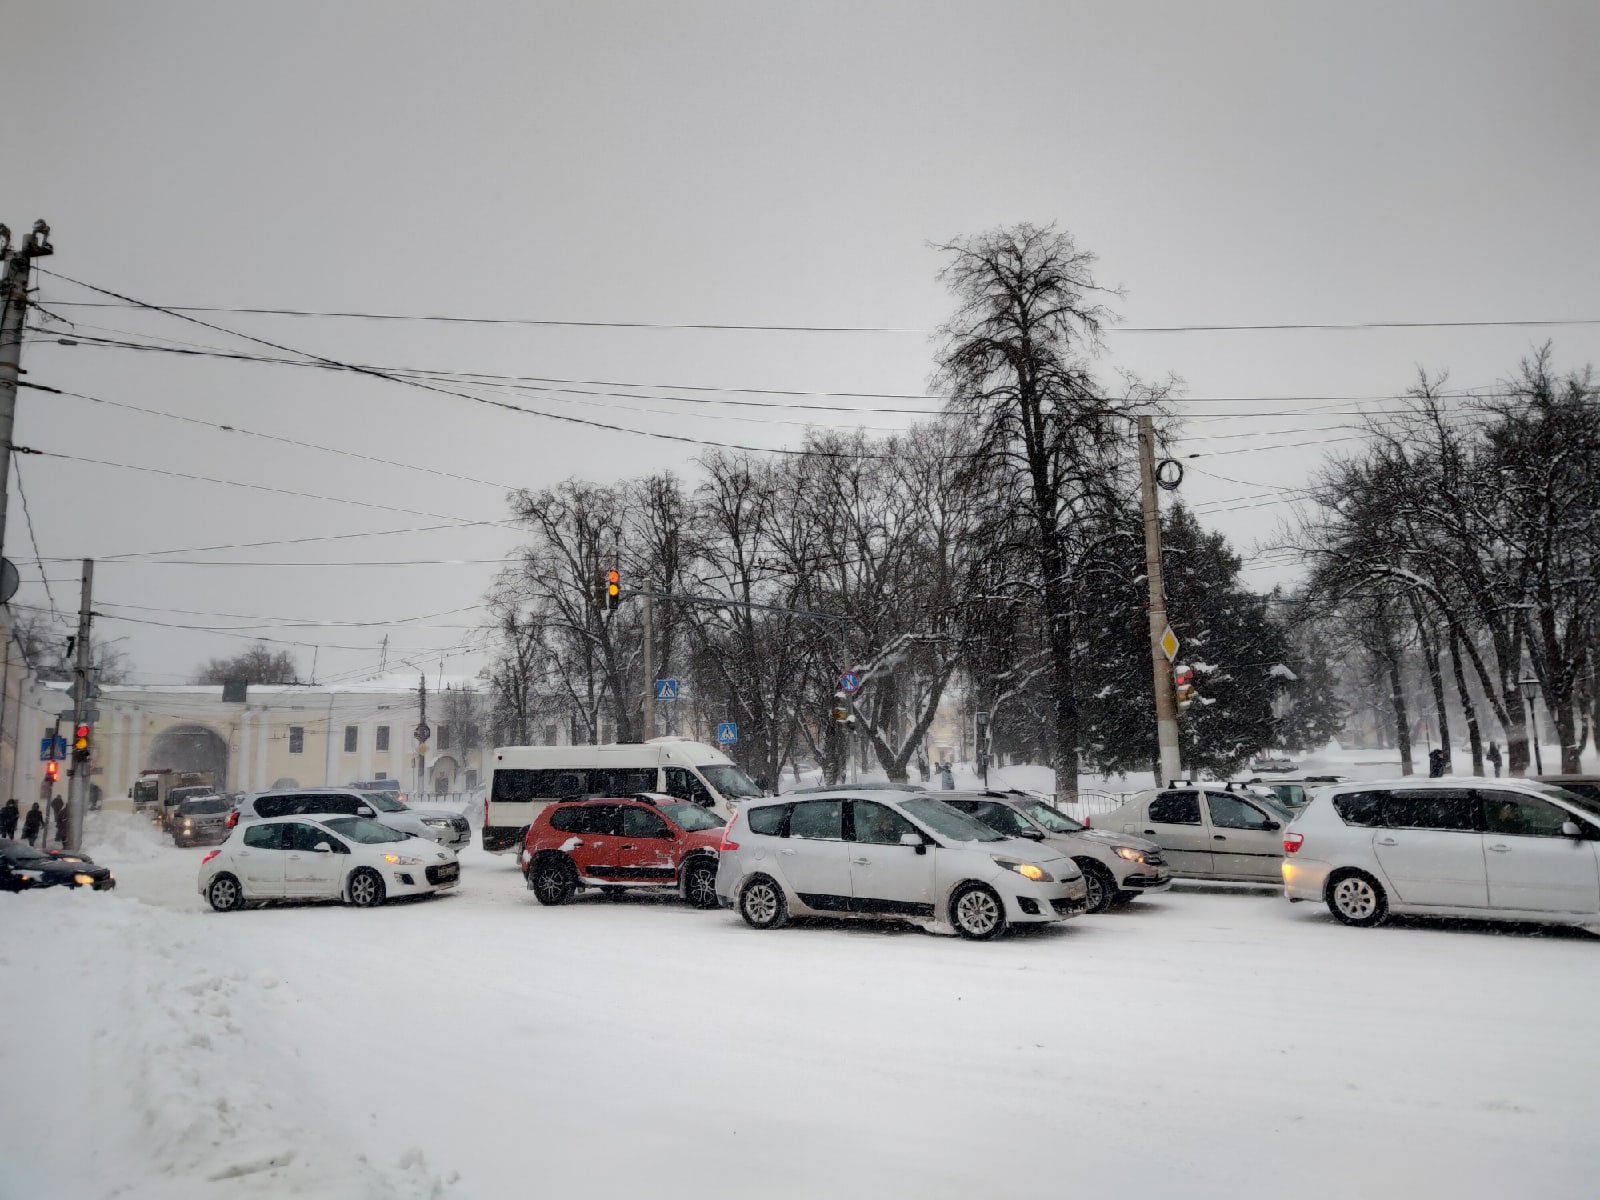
x=889, y=854
x=323, y=858
x=1503, y=849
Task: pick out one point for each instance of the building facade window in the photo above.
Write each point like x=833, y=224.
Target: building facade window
x=351, y=732
x=383, y=740
x=381, y=775
x=471, y=781
x=297, y=739
x=444, y=737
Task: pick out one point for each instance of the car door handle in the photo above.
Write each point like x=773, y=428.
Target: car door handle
x=1151, y=832
x=1500, y=847
x=862, y=862
x=1388, y=841
x=629, y=846
x=1217, y=837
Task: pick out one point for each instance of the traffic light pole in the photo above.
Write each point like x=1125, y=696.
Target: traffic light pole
x=78, y=786
x=1160, y=668
x=649, y=711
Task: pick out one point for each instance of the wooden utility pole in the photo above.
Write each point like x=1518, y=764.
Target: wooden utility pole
x=82, y=702
x=13, y=310
x=1160, y=665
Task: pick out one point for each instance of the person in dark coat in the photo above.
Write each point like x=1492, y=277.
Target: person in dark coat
x=58, y=814
x=1494, y=758
x=32, y=826
x=10, y=814
x=1435, y=764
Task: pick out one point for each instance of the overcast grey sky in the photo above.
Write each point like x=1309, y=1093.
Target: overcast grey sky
x=728, y=163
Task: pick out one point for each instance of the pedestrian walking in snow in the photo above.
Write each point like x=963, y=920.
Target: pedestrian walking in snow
x=58, y=816
x=33, y=825
x=1435, y=764
x=1494, y=758
x=10, y=814
x=947, y=779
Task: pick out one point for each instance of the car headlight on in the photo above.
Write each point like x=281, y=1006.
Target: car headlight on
x=1130, y=853
x=30, y=877
x=83, y=880
x=1025, y=869
x=436, y=822
x=402, y=860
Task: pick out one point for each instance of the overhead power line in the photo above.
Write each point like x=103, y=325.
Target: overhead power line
x=537, y=322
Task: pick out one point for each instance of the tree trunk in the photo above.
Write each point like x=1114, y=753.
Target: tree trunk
x=1058, y=621
x=1468, y=707
x=1402, y=722
x=1430, y=655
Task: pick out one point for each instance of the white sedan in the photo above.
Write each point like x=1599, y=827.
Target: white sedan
x=323, y=858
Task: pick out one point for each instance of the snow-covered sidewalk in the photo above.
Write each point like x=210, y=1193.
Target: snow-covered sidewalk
x=1206, y=1043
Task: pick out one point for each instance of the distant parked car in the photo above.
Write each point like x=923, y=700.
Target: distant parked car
x=889, y=854
x=22, y=868
x=1273, y=763
x=1207, y=831
x=437, y=824
x=647, y=841
x=1116, y=866
x=163, y=813
x=201, y=821
x=1507, y=849
x=354, y=859
x=1587, y=786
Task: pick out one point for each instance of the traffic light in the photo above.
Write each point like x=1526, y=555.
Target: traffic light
x=613, y=588
x=80, y=743
x=52, y=771
x=1183, y=681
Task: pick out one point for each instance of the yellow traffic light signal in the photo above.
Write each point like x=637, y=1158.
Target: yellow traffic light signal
x=613, y=587
x=80, y=743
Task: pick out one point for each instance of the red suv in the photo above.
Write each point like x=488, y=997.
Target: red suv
x=649, y=841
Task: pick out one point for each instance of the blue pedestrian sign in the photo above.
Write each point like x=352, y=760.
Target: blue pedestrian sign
x=52, y=749
x=849, y=683
x=666, y=689
x=727, y=733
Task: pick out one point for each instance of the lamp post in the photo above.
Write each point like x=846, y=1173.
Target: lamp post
x=1530, y=688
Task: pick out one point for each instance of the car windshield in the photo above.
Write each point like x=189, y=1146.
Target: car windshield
x=383, y=802
x=953, y=823
x=1270, y=800
x=691, y=816
x=211, y=804
x=22, y=856
x=361, y=829
x=728, y=779
x=1052, y=819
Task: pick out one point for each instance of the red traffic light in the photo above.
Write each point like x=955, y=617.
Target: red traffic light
x=52, y=771
x=80, y=738
x=613, y=583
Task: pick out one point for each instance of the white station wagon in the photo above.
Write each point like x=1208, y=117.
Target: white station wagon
x=1506, y=850
x=889, y=854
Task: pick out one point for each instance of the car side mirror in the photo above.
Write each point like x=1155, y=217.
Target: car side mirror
x=1570, y=829
x=323, y=848
x=1033, y=835
x=1271, y=825
x=364, y=811
x=914, y=840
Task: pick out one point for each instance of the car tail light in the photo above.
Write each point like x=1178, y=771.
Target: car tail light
x=209, y=856
x=233, y=819
x=727, y=843
x=1086, y=822
x=486, y=812
x=1292, y=842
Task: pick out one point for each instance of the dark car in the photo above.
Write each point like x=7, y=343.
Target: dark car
x=1587, y=786
x=201, y=821
x=22, y=867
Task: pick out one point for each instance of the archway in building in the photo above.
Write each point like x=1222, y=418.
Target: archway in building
x=196, y=748
x=444, y=772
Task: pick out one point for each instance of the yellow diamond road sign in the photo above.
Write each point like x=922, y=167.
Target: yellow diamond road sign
x=1169, y=644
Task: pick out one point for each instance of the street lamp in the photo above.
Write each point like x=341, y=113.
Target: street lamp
x=1530, y=688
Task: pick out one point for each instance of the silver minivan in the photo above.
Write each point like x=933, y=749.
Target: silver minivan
x=1501, y=849
x=880, y=854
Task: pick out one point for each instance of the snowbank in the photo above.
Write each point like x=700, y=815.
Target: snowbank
x=145, y=1059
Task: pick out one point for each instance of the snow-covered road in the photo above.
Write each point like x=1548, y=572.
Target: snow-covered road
x=1204, y=1043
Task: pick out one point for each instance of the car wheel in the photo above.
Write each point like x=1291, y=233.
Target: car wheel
x=552, y=881
x=700, y=885
x=761, y=903
x=225, y=894
x=366, y=888
x=1102, y=886
x=1356, y=898
x=977, y=912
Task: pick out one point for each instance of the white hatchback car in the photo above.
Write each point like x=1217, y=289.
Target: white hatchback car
x=889, y=854
x=323, y=858
x=1503, y=849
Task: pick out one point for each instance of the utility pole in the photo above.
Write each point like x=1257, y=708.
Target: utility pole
x=422, y=733
x=13, y=309
x=82, y=700
x=1160, y=668
x=649, y=721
